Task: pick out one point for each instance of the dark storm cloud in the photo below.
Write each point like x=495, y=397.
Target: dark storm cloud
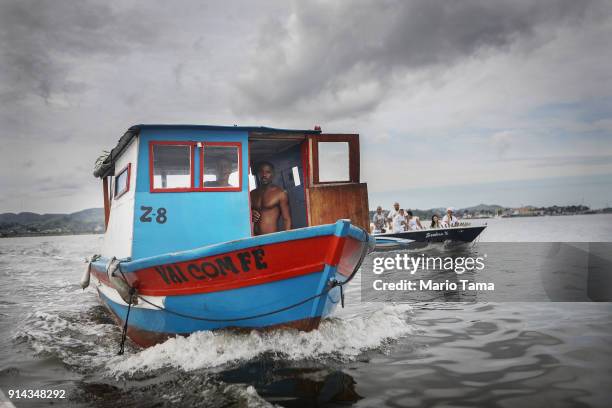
x=347, y=55
x=74, y=74
x=42, y=43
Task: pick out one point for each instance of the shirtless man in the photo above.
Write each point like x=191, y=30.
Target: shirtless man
x=269, y=202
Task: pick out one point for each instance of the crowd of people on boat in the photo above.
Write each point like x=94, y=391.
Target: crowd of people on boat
x=400, y=220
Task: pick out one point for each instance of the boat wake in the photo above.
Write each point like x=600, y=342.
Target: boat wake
x=81, y=341
x=342, y=339
x=88, y=341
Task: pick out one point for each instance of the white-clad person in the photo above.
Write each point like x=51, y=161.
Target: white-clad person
x=449, y=219
x=379, y=220
x=413, y=222
x=399, y=221
x=394, y=211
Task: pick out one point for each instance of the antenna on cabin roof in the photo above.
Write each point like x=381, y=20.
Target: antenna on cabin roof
x=317, y=127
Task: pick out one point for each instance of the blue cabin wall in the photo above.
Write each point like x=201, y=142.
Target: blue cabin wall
x=196, y=218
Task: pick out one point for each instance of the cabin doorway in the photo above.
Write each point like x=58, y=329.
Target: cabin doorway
x=287, y=158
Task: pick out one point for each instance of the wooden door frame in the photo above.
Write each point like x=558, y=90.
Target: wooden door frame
x=353, y=143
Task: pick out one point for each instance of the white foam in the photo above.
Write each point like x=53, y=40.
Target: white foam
x=341, y=338
x=73, y=342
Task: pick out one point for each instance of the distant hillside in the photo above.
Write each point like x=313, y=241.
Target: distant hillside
x=88, y=221
x=493, y=208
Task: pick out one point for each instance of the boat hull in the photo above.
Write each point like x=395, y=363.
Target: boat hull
x=457, y=234
x=288, y=279
x=148, y=338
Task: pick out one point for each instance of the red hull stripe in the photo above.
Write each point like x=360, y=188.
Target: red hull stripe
x=245, y=267
x=349, y=255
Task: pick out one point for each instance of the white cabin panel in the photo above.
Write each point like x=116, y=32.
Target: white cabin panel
x=119, y=233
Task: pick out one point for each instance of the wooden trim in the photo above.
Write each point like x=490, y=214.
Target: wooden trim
x=238, y=146
x=329, y=203
x=106, y=202
x=248, y=160
x=315, y=160
x=354, y=162
x=311, y=144
x=305, y=152
x=127, y=168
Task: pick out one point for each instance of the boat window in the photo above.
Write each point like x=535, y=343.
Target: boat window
x=221, y=163
x=172, y=166
x=122, y=182
x=333, y=161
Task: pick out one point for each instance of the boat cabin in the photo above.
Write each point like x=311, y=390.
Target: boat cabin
x=178, y=187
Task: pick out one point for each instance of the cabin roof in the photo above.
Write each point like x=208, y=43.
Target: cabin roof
x=107, y=165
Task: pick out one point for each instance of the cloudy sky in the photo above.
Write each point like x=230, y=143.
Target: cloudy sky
x=457, y=102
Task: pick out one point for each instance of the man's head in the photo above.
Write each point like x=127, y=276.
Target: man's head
x=396, y=206
x=379, y=209
x=449, y=211
x=265, y=172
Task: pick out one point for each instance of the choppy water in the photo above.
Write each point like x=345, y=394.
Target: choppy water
x=55, y=336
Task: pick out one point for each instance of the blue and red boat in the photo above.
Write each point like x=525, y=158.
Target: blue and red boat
x=180, y=254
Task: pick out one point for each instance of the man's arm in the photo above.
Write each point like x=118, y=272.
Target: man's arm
x=255, y=214
x=285, y=211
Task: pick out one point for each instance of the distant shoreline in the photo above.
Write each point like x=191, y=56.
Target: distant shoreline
x=484, y=211
x=58, y=234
